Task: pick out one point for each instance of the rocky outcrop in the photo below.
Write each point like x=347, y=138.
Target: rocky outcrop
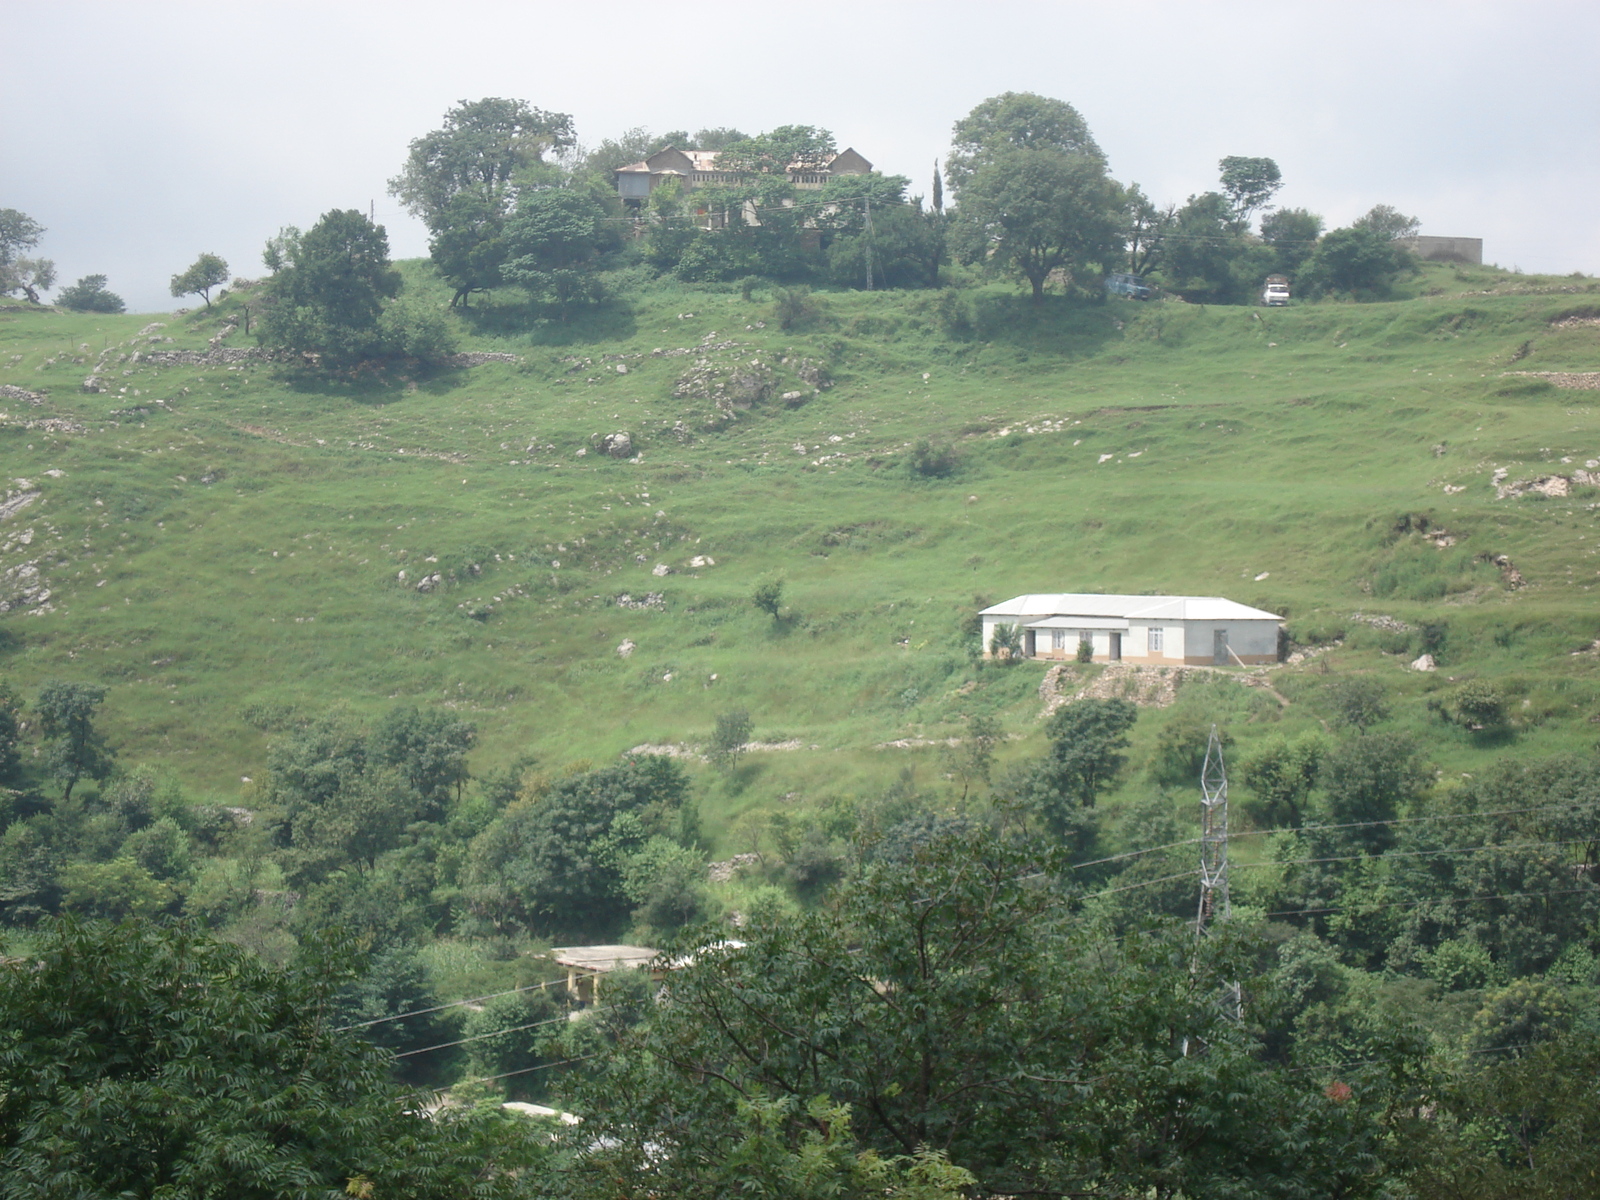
x=8, y=392
x=1586, y=381
x=1146, y=686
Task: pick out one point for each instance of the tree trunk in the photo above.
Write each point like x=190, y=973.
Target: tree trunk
x=1038, y=288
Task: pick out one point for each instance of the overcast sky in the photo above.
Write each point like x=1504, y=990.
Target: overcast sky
x=142, y=134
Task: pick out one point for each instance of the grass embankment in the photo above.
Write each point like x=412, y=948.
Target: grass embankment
x=223, y=544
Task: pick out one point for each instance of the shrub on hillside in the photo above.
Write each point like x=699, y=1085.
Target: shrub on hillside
x=1476, y=704
x=89, y=295
x=413, y=328
x=795, y=307
x=730, y=735
x=929, y=459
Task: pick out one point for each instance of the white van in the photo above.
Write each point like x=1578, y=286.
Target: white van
x=1276, y=294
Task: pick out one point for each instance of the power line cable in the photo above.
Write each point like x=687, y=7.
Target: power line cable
x=1131, y=854
x=455, y=1004
x=1440, y=817
x=528, y=1070
x=1333, y=908
x=478, y=1037
x=1387, y=854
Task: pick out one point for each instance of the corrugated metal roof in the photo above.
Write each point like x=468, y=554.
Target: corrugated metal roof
x=1170, y=608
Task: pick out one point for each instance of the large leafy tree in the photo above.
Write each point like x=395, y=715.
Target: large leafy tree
x=1523, y=1125
x=19, y=232
x=75, y=749
x=1206, y=254
x=1249, y=183
x=555, y=862
x=10, y=744
x=480, y=150
x=1083, y=758
x=1016, y=121
x=461, y=181
x=1292, y=233
x=207, y=271
x=327, y=295
x=1360, y=260
x=554, y=246
x=1387, y=221
x=951, y=1000
x=428, y=748
x=1036, y=211
x=778, y=151
x=141, y=1061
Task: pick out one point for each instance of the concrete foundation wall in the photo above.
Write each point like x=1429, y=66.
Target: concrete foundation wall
x=1446, y=249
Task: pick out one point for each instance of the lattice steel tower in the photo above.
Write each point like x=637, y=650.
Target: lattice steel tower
x=1214, y=902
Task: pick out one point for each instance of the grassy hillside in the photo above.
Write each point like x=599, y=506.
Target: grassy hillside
x=223, y=545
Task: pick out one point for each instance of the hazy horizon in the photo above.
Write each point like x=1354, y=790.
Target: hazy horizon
x=184, y=128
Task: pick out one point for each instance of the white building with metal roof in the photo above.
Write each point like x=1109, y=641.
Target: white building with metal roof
x=1161, y=630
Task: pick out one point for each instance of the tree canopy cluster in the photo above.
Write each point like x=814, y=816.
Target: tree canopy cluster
x=510, y=198
x=989, y=986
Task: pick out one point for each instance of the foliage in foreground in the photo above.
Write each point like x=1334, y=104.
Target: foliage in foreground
x=950, y=998
x=143, y=1061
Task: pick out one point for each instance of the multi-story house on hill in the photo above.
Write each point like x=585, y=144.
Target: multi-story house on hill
x=698, y=168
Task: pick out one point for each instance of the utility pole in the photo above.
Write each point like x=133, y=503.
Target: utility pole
x=1214, y=901
x=869, y=242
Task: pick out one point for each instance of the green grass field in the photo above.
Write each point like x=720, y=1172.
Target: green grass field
x=223, y=545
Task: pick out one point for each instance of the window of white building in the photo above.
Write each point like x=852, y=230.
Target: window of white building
x=1153, y=636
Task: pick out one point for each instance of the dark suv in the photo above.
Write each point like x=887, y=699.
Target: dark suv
x=1130, y=286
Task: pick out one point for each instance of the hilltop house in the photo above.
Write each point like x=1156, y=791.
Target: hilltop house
x=698, y=168
x=1164, y=630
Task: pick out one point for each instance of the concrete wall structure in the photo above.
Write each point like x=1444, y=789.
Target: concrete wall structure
x=1446, y=249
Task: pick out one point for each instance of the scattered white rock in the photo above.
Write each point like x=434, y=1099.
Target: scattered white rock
x=660, y=569
x=1424, y=663
x=1262, y=576
x=702, y=560
x=16, y=502
x=722, y=872
x=1107, y=457
x=616, y=445
x=627, y=648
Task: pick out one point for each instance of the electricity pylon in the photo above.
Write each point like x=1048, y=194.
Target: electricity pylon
x=1214, y=902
